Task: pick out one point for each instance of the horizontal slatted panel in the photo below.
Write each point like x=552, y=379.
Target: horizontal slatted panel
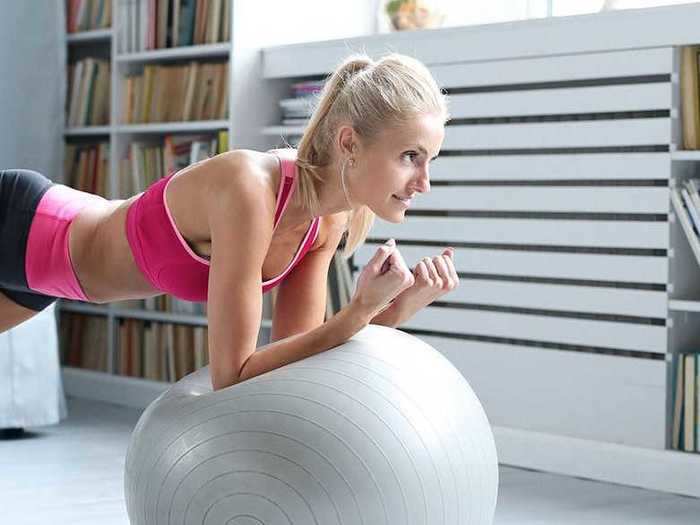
x=598, y=99
x=553, y=167
x=630, y=132
x=556, y=297
x=604, y=334
x=556, y=68
x=594, y=267
x=523, y=232
x=590, y=396
x=544, y=199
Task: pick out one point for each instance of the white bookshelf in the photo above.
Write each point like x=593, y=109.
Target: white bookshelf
x=105, y=44
x=565, y=327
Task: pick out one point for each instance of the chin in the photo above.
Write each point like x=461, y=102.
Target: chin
x=392, y=217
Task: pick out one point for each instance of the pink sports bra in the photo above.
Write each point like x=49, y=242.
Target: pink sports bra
x=165, y=258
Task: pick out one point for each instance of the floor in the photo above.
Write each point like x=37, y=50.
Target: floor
x=71, y=474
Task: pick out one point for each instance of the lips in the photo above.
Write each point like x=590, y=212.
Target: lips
x=404, y=200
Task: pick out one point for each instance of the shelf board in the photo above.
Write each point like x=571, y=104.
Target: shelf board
x=174, y=127
x=284, y=130
x=684, y=305
x=176, y=53
x=84, y=308
x=168, y=317
x=87, y=131
x=146, y=315
x=685, y=155
x=135, y=392
x=155, y=315
x=86, y=37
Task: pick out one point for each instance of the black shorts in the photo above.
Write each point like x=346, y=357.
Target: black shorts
x=20, y=193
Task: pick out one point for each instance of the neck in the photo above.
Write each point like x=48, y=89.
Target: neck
x=334, y=196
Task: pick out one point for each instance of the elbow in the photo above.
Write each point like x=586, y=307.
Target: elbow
x=221, y=379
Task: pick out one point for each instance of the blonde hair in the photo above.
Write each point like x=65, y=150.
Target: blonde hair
x=370, y=96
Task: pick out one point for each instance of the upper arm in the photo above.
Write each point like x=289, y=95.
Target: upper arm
x=241, y=229
x=300, y=304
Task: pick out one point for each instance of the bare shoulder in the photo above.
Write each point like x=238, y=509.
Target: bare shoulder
x=240, y=169
x=241, y=177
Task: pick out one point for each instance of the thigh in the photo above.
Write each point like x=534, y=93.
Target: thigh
x=17, y=307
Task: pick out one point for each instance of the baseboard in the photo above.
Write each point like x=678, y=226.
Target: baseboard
x=662, y=470
x=109, y=388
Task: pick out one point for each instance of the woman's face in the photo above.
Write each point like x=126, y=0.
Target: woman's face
x=394, y=168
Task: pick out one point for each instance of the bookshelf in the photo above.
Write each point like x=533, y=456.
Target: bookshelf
x=579, y=287
x=248, y=94
x=124, y=60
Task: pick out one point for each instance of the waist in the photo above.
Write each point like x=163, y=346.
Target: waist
x=157, y=249
x=48, y=259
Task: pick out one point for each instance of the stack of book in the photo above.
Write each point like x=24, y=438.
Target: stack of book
x=147, y=162
x=85, y=15
x=88, y=93
x=160, y=351
x=194, y=91
x=297, y=110
x=87, y=167
x=83, y=341
x=158, y=24
x=686, y=202
x=686, y=405
x=690, y=97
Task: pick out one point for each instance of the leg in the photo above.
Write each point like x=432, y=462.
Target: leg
x=12, y=313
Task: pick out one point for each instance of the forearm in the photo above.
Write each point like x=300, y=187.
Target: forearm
x=335, y=331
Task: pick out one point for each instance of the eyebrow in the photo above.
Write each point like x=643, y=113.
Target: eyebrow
x=424, y=151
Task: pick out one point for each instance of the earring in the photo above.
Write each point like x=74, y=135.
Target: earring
x=342, y=182
x=352, y=163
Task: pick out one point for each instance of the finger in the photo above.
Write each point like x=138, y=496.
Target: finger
x=422, y=271
x=441, y=263
x=453, y=271
x=434, y=273
x=450, y=252
x=381, y=255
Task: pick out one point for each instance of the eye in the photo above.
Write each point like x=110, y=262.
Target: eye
x=411, y=155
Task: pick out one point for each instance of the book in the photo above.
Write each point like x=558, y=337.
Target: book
x=690, y=103
x=678, y=389
x=689, y=403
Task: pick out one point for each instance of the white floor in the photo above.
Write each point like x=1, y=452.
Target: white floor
x=72, y=474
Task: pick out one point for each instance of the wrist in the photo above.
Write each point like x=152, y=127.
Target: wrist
x=357, y=315
x=388, y=317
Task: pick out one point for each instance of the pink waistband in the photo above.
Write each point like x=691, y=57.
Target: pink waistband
x=48, y=265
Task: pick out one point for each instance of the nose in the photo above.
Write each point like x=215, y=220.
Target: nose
x=423, y=183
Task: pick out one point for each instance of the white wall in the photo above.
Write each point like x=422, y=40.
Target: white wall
x=262, y=23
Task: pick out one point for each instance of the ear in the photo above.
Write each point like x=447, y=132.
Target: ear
x=347, y=140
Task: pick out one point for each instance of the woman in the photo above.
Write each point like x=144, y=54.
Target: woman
x=224, y=228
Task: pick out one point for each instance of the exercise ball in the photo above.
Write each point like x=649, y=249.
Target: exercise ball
x=382, y=429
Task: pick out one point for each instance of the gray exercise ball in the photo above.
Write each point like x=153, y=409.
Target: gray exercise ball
x=382, y=429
